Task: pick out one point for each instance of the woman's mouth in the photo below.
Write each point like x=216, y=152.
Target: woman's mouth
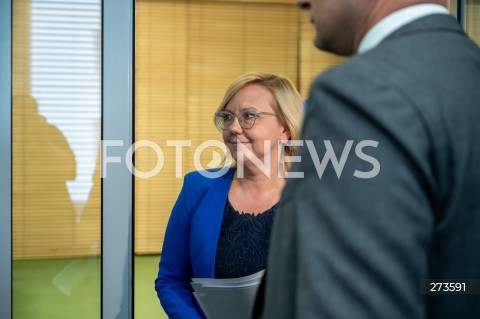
x=236, y=143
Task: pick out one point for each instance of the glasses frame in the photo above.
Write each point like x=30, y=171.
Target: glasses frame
x=220, y=126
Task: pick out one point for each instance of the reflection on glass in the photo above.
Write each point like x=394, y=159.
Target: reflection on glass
x=56, y=183
x=44, y=162
x=472, y=12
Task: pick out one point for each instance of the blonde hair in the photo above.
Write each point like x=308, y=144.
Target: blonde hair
x=288, y=106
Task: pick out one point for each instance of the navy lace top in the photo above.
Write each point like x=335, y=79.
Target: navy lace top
x=243, y=243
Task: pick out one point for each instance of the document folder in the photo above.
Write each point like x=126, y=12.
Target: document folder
x=231, y=298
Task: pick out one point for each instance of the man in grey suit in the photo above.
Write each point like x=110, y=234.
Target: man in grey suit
x=398, y=205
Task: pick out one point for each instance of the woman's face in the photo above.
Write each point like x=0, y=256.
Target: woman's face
x=266, y=127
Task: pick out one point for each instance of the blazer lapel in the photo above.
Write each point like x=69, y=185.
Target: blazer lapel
x=206, y=224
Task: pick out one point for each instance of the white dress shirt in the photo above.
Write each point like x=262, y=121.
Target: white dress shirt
x=395, y=21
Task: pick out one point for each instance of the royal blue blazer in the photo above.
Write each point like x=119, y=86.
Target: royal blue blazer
x=191, y=239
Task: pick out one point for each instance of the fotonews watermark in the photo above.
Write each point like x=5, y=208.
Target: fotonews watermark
x=221, y=158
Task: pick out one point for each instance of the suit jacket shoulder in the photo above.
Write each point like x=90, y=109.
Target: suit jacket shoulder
x=417, y=95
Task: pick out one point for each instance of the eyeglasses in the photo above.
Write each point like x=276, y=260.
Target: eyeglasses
x=246, y=118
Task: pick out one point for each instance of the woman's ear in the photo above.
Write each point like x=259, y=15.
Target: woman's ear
x=286, y=134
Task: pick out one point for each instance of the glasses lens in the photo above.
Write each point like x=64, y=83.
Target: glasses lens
x=223, y=119
x=219, y=120
x=247, y=118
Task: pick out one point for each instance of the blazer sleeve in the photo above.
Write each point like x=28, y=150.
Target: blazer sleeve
x=175, y=270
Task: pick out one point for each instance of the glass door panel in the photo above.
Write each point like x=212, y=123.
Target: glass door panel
x=56, y=113
x=187, y=53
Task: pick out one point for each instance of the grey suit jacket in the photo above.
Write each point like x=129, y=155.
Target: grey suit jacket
x=349, y=245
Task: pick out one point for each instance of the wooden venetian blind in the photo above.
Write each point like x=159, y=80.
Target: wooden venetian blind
x=473, y=20
x=187, y=53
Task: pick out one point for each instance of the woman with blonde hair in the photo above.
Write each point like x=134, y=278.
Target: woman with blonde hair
x=220, y=227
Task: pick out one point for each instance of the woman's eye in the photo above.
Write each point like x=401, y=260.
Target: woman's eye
x=249, y=115
x=228, y=117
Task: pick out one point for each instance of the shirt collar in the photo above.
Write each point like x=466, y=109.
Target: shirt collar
x=395, y=21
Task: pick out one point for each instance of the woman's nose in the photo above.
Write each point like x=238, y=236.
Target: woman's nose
x=235, y=127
